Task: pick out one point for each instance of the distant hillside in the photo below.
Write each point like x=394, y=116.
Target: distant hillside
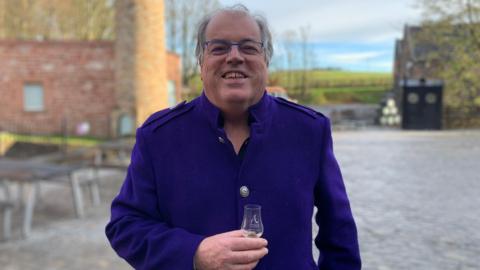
x=333, y=86
x=334, y=76
x=326, y=86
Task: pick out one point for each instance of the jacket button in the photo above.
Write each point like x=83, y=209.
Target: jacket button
x=244, y=191
x=220, y=139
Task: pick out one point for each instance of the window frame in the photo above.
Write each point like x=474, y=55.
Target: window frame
x=40, y=107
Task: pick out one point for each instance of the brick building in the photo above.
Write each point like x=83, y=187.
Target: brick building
x=46, y=87
x=100, y=88
x=411, y=62
x=417, y=62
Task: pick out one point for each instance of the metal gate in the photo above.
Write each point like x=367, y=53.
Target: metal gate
x=422, y=105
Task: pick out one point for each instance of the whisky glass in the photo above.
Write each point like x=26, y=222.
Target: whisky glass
x=252, y=225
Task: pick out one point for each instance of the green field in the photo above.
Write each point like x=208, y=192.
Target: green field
x=49, y=139
x=333, y=86
x=327, y=86
x=331, y=76
x=366, y=95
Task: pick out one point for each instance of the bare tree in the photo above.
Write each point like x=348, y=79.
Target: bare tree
x=171, y=15
x=453, y=26
x=299, y=57
x=289, y=40
x=56, y=19
x=306, y=59
x=182, y=17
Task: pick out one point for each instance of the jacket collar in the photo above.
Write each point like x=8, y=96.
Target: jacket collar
x=259, y=113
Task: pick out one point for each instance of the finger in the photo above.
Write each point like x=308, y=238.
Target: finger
x=236, y=233
x=243, y=243
x=248, y=266
x=245, y=257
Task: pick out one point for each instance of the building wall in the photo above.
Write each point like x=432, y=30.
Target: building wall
x=174, y=73
x=78, y=81
x=77, y=78
x=142, y=55
x=151, y=57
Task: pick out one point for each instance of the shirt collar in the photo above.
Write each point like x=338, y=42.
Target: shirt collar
x=258, y=113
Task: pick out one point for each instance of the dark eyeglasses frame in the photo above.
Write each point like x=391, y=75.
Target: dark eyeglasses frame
x=231, y=44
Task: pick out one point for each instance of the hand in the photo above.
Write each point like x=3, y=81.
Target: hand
x=230, y=251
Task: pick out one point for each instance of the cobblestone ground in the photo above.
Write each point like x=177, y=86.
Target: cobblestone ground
x=414, y=196
x=60, y=241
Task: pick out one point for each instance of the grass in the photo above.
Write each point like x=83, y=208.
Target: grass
x=333, y=87
x=332, y=75
x=45, y=139
x=366, y=95
x=327, y=86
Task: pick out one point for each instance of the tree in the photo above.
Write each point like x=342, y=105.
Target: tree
x=182, y=17
x=56, y=19
x=298, y=58
x=453, y=27
x=306, y=60
x=289, y=39
x=94, y=20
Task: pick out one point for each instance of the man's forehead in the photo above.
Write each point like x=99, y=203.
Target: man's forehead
x=227, y=21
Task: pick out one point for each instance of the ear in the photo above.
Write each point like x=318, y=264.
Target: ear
x=201, y=70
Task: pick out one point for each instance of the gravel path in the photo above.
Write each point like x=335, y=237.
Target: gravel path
x=414, y=196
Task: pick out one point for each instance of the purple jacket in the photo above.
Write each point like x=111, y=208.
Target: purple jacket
x=184, y=180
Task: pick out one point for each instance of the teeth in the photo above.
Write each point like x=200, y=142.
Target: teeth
x=234, y=75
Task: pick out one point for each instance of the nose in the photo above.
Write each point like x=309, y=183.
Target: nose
x=234, y=56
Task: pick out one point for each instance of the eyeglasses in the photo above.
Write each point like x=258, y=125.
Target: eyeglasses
x=221, y=47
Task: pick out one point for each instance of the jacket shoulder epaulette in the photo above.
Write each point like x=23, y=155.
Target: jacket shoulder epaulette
x=306, y=110
x=162, y=117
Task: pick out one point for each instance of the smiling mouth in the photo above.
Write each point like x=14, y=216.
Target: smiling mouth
x=234, y=75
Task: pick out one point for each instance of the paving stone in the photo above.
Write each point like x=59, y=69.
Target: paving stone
x=414, y=196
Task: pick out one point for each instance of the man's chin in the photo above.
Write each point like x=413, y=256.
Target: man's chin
x=237, y=94
x=237, y=100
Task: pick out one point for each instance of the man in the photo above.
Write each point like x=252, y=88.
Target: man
x=195, y=166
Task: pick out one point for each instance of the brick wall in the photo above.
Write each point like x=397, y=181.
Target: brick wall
x=77, y=79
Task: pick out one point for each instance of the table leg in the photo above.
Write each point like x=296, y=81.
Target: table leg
x=7, y=223
x=94, y=189
x=28, y=190
x=7, y=211
x=77, y=195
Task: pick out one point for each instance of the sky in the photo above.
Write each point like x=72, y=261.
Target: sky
x=347, y=34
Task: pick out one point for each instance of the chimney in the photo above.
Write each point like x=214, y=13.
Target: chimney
x=140, y=59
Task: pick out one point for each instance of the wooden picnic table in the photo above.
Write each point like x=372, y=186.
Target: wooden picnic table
x=28, y=174
x=113, y=154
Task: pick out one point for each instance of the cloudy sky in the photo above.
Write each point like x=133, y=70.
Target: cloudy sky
x=348, y=34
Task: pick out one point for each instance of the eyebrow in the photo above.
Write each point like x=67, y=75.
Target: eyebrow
x=226, y=40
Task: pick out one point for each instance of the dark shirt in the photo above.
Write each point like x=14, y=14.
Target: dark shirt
x=243, y=148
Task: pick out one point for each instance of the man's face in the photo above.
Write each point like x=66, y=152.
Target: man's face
x=234, y=79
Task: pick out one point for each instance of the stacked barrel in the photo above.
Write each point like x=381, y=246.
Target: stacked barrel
x=389, y=113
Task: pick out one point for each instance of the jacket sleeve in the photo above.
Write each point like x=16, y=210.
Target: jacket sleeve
x=337, y=236
x=137, y=230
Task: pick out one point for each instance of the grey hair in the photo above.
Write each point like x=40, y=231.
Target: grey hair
x=265, y=33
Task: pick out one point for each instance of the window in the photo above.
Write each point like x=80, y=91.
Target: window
x=431, y=98
x=126, y=125
x=413, y=98
x=172, y=99
x=33, y=98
